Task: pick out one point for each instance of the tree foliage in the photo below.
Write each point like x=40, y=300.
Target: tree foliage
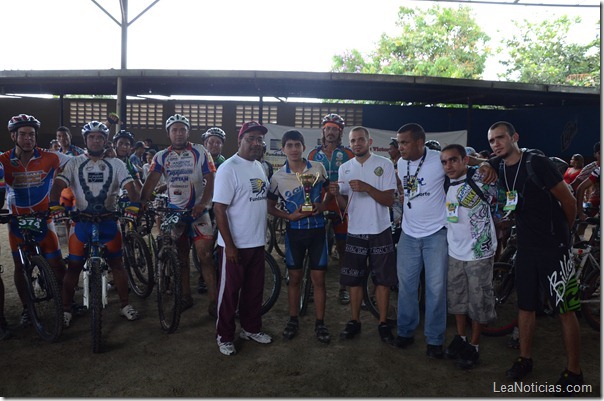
x=542, y=53
x=438, y=42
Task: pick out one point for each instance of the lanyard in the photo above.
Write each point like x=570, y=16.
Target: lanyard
x=413, y=181
x=516, y=176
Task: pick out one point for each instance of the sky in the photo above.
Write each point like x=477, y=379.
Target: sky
x=277, y=35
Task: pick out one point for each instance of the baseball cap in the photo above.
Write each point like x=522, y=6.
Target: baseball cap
x=140, y=144
x=252, y=125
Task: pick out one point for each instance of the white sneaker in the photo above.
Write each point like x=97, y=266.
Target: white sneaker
x=259, y=337
x=66, y=319
x=129, y=312
x=227, y=348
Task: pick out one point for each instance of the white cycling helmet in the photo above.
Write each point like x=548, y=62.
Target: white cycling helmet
x=177, y=118
x=95, y=126
x=214, y=131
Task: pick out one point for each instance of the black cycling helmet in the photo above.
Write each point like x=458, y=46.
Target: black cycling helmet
x=95, y=126
x=214, y=131
x=333, y=118
x=124, y=134
x=434, y=145
x=23, y=120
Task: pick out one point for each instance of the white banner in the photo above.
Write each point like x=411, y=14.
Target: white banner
x=381, y=140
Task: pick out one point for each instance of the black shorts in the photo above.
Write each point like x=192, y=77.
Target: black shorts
x=378, y=249
x=547, y=273
x=298, y=242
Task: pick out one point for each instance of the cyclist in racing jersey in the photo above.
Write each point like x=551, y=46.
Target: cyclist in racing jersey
x=63, y=136
x=95, y=181
x=189, y=172
x=29, y=172
x=213, y=140
x=4, y=330
x=333, y=154
x=123, y=142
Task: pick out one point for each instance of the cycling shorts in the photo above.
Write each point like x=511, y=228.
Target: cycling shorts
x=297, y=242
x=47, y=239
x=109, y=234
x=378, y=250
x=546, y=270
x=201, y=228
x=67, y=198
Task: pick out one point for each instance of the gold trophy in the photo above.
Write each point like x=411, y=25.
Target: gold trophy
x=307, y=181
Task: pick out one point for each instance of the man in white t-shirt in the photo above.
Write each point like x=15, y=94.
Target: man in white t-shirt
x=240, y=206
x=366, y=188
x=472, y=245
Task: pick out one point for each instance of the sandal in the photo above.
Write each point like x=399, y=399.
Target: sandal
x=322, y=333
x=290, y=330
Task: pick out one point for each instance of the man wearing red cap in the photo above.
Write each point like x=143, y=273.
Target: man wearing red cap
x=240, y=206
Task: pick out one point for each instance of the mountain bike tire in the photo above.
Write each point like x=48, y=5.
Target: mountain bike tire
x=371, y=301
x=169, y=290
x=506, y=304
x=279, y=231
x=272, y=283
x=139, y=265
x=96, y=304
x=44, y=300
x=305, y=287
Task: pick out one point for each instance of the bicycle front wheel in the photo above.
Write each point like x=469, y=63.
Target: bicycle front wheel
x=279, y=231
x=139, y=265
x=169, y=290
x=505, y=301
x=272, y=283
x=45, y=302
x=96, y=301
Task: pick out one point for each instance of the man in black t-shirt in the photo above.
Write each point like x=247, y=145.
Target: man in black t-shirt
x=544, y=216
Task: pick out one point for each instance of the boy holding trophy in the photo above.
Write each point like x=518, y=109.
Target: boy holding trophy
x=298, y=183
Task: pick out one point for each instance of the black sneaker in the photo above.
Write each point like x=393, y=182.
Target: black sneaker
x=456, y=346
x=468, y=356
x=386, y=333
x=434, y=351
x=202, y=287
x=322, y=333
x=78, y=309
x=520, y=368
x=402, y=342
x=352, y=328
x=4, y=330
x=290, y=330
x=568, y=378
x=25, y=318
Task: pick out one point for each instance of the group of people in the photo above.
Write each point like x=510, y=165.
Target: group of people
x=443, y=199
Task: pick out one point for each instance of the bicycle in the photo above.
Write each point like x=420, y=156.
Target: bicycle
x=587, y=256
x=168, y=273
x=43, y=293
x=137, y=258
x=96, y=269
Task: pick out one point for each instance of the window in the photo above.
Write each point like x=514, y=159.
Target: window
x=246, y=113
x=311, y=116
x=145, y=115
x=201, y=115
x=82, y=112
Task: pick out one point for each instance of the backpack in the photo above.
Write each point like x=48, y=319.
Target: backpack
x=471, y=183
x=556, y=162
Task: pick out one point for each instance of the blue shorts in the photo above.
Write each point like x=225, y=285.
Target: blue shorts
x=297, y=242
x=109, y=234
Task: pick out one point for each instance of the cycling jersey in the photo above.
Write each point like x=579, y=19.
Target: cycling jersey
x=73, y=150
x=30, y=183
x=184, y=173
x=285, y=184
x=95, y=184
x=340, y=155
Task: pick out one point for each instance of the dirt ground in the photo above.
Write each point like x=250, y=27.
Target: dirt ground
x=141, y=361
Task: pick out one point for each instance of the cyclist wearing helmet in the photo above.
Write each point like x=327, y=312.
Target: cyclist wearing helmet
x=189, y=172
x=29, y=172
x=333, y=154
x=213, y=140
x=123, y=142
x=432, y=144
x=96, y=182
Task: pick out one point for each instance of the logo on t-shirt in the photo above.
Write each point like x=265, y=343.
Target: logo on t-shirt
x=95, y=177
x=258, y=186
x=378, y=171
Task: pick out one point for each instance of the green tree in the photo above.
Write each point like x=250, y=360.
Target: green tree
x=542, y=53
x=438, y=42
